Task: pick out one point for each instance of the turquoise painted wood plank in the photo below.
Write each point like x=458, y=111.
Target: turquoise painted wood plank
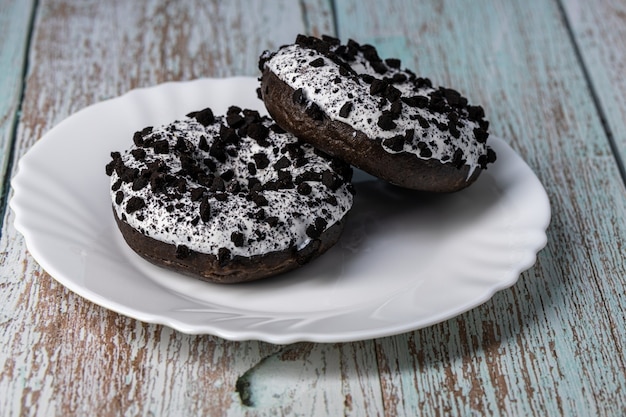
x=559, y=343
x=599, y=29
x=15, y=16
x=61, y=355
x=309, y=378
x=554, y=343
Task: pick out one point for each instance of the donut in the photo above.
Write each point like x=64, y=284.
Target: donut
x=227, y=199
x=348, y=102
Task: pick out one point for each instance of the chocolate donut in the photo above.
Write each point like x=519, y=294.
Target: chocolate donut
x=228, y=198
x=348, y=102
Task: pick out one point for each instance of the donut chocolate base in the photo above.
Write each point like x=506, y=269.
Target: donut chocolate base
x=353, y=146
x=237, y=269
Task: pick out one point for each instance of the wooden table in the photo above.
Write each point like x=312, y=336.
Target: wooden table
x=550, y=75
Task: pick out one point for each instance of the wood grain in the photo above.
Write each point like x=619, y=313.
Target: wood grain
x=599, y=29
x=62, y=355
x=551, y=345
x=554, y=343
x=15, y=18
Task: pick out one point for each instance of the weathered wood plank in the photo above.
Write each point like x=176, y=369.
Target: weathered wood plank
x=558, y=347
x=554, y=343
x=314, y=379
x=15, y=17
x=61, y=355
x=599, y=29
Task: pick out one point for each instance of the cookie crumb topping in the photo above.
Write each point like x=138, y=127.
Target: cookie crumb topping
x=352, y=84
x=232, y=185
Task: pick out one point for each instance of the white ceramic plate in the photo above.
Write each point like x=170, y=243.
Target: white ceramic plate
x=406, y=260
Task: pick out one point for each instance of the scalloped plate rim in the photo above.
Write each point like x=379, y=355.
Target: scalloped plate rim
x=17, y=204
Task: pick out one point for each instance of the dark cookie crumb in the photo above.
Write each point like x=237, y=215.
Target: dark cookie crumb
x=454, y=131
x=254, y=185
x=396, y=143
x=314, y=112
x=368, y=79
x=127, y=174
x=481, y=135
x=205, y=209
x=134, y=204
x=385, y=122
x=489, y=158
x=315, y=230
x=457, y=159
x=304, y=188
x=252, y=168
x=116, y=185
x=330, y=180
x=205, y=117
x=277, y=129
x=377, y=86
x=114, y=164
x=317, y=63
x=425, y=151
x=258, y=132
x=393, y=62
x=261, y=160
x=227, y=175
x=197, y=193
x=298, y=97
x=237, y=238
x=139, y=154
x=282, y=163
x=181, y=145
x=345, y=109
x=235, y=120
x=396, y=109
x=223, y=256
x=423, y=122
x=259, y=199
x=416, y=101
x=203, y=145
x=139, y=183
x=138, y=139
x=228, y=135
x=392, y=93
x=182, y=252
x=272, y=221
x=161, y=146
x=331, y=40
x=475, y=112
x=217, y=184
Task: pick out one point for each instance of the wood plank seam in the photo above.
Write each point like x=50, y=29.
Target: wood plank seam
x=608, y=132
x=305, y=16
x=6, y=182
x=309, y=27
x=592, y=91
x=333, y=9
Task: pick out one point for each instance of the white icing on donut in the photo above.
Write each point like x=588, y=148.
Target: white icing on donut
x=292, y=211
x=292, y=65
